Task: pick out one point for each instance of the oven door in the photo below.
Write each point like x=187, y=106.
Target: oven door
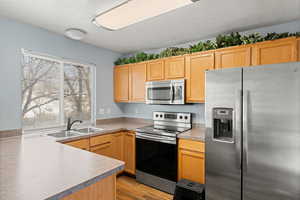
x=157, y=155
x=165, y=92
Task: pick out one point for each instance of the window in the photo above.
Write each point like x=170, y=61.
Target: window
x=53, y=90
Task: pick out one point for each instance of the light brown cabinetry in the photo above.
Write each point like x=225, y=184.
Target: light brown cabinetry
x=239, y=56
x=137, y=77
x=278, y=51
x=129, y=152
x=191, y=160
x=121, y=83
x=81, y=144
x=298, y=49
x=155, y=70
x=102, y=145
x=105, y=189
x=118, y=146
x=174, y=67
x=196, y=65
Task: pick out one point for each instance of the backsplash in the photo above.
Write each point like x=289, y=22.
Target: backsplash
x=140, y=110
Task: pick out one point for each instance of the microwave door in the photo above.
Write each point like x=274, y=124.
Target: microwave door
x=159, y=95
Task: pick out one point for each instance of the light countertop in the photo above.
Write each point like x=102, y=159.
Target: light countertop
x=34, y=167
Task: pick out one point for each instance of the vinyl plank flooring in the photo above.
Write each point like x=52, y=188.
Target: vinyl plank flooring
x=129, y=189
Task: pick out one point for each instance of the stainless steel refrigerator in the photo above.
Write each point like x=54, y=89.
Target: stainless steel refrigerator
x=253, y=133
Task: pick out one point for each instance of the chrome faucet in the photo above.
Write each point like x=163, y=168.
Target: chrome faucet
x=70, y=124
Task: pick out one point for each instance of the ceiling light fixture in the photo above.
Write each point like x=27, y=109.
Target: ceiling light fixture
x=75, y=33
x=134, y=11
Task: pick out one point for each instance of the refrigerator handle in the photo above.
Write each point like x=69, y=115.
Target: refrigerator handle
x=237, y=127
x=245, y=129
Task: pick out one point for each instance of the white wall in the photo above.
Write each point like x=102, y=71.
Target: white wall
x=15, y=35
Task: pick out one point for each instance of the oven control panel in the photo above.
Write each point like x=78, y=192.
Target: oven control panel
x=172, y=116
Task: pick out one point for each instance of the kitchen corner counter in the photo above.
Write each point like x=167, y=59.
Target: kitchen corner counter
x=35, y=167
x=196, y=133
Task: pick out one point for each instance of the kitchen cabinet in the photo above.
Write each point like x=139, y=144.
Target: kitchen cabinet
x=298, y=49
x=238, y=56
x=129, y=152
x=277, y=51
x=104, y=189
x=121, y=83
x=155, y=70
x=191, y=160
x=118, y=146
x=102, y=145
x=196, y=65
x=174, y=67
x=137, y=76
x=81, y=144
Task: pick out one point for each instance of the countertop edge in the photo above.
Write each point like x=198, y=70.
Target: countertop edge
x=85, y=184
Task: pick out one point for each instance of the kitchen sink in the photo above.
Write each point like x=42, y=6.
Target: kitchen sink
x=63, y=134
x=88, y=130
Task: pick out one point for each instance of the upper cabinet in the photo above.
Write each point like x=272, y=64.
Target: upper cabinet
x=155, y=70
x=298, y=42
x=174, y=67
x=196, y=65
x=277, y=51
x=121, y=83
x=137, y=78
x=239, y=56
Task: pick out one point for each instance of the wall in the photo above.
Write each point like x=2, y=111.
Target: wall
x=145, y=111
x=15, y=36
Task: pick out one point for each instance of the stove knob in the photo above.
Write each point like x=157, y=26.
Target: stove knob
x=186, y=117
x=180, y=117
x=156, y=115
x=161, y=116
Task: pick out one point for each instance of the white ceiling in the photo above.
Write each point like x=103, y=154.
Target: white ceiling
x=203, y=19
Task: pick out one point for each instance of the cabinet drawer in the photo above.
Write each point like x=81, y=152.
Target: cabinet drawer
x=81, y=144
x=192, y=145
x=102, y=139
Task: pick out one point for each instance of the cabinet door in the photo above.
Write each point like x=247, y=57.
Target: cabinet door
x=278, y=51
x=118, y=145
x=174, y=67
x=155, y=70
x=191, y=161
x=129, y=152
x=298, y=49
x=121, y=83
x=137, y=82
x=239, y=56
x=196, y=65
x=104, y=149
x=81, y=144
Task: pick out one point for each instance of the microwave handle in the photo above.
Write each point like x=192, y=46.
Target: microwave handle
x=172, y=93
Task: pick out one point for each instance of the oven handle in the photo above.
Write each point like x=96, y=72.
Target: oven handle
x=156, y=138
x=172, y=93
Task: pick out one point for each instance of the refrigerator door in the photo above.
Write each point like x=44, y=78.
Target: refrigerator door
x=223, y=134
x=271, y=129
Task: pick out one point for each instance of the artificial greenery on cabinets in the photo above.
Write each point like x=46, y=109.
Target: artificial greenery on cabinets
x=220, y=41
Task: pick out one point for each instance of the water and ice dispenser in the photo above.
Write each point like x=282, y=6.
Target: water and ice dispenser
x=223, y=124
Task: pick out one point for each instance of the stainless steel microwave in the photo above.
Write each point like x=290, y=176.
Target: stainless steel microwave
x=165, y=92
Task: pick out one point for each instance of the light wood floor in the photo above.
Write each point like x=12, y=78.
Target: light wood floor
x=129, y=189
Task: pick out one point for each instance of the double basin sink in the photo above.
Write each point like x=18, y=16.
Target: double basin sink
x=75, y=132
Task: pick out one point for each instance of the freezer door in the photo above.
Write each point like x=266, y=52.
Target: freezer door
x=271, y=128
x=223, y=132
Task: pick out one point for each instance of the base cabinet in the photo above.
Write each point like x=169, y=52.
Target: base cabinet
x=105, y=189
x=129, y=152
x=191, y=161
x=83, y=144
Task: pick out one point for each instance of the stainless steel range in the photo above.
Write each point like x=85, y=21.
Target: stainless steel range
x=156, y=150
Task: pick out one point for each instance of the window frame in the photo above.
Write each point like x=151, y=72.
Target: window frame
x=62, y=62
